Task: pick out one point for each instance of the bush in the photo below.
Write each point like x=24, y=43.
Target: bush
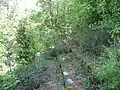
x=109, y=70
x=7, y=82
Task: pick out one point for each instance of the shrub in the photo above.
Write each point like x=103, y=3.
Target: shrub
x=109, y=70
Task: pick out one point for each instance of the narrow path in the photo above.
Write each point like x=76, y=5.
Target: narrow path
x=54, y=84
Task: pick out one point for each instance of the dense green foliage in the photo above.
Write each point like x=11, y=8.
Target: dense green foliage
x=85, y=32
